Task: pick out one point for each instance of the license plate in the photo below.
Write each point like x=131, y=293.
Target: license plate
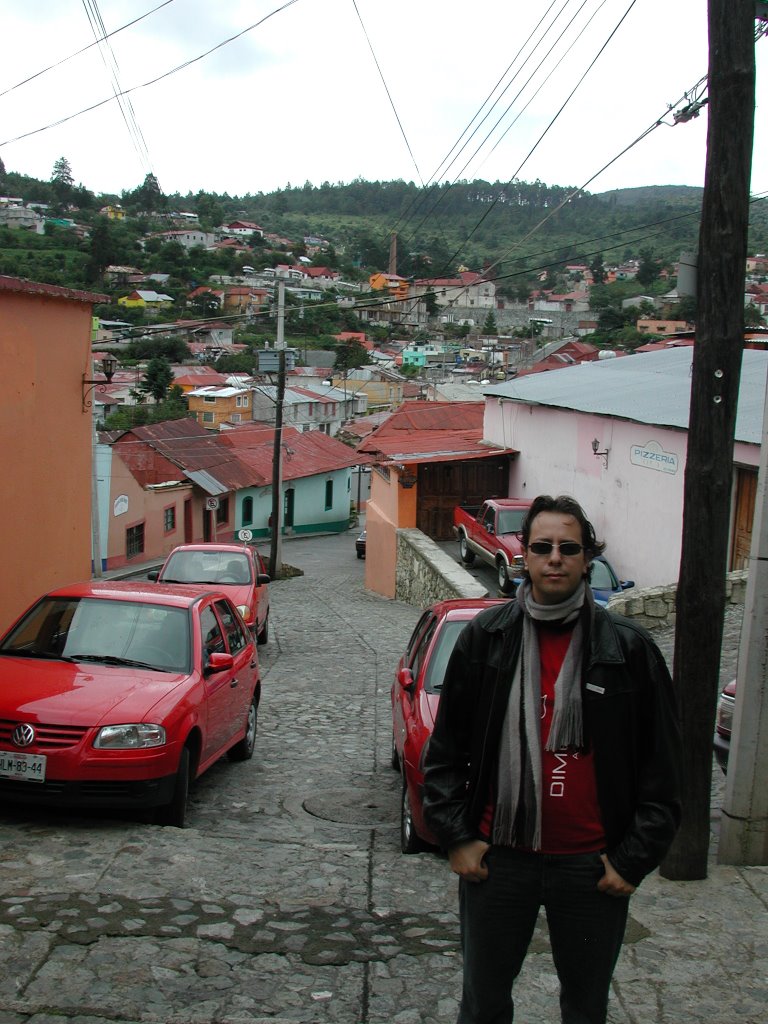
x=28, y=767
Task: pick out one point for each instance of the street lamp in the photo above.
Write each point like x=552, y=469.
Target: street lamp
x=108, y=366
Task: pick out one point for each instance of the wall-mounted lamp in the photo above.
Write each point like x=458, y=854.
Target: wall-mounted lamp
x=108, y=366
x=600, y=455
x=407, y=478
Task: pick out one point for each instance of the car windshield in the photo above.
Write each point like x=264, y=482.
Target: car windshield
x=511, y=520
x=103, y=630
x=438, y=661
x=207, y=567
x=602, y=577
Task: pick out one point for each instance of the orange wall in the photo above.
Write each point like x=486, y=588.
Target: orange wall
x=45, y=447
x=390, y=507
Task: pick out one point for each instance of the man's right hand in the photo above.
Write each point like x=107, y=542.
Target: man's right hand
x=467, y=862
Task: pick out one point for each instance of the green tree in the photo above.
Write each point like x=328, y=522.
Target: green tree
x=350, y=354
x=157, y=379
x=597, y=269
x=62, y=180
x=430, y=303
x=648, y=271
x=489, y=325
x=102, y=250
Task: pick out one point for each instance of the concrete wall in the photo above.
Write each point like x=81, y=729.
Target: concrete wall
x=425, y=573
x=654, y=607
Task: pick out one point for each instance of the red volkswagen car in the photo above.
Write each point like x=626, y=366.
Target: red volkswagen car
x=235, y=569
x=415, y=696
x=119, y=695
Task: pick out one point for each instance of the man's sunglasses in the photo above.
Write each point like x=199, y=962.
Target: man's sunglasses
x=566, y=547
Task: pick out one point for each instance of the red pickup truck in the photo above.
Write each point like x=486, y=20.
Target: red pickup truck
x=489, y=531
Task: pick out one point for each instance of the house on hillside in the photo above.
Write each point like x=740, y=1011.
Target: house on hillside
x=304, y=409
x=614, y=433
x=427, y=458
x=316, y=480
x=46, y=424
x=465, y=289
x=163, y=485
x=144, y=298
x=214, y=406
x=189, y=238
x=242, y=229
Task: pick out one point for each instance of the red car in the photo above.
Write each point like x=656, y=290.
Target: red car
x=119, y=695
x=415, y=695
x=236, y=570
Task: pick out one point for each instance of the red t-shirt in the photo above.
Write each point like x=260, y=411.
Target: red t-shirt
x=570, y=813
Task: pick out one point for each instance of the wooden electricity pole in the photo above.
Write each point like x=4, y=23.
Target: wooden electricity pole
x=717, y=356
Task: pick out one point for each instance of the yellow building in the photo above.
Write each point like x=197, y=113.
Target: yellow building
x=213, y=406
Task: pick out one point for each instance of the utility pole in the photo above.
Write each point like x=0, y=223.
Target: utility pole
x=275, y=554
x=717, y=357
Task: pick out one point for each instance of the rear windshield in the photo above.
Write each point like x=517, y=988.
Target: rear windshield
x=207, y=567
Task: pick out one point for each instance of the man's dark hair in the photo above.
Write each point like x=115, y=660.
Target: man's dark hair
x=568, y=506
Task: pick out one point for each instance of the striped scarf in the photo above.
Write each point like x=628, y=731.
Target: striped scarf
x=518, y=806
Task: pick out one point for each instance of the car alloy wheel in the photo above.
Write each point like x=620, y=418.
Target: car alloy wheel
x=243, y=749
x=410, y=841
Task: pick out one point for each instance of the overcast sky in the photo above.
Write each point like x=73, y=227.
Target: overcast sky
x=332, y=90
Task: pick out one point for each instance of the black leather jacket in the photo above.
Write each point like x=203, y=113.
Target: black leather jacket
x=630, y=723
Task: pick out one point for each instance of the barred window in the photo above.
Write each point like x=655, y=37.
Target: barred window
x=134, y=541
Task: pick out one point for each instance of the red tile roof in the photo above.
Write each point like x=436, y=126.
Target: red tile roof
x=307, y=453
x=431, y=432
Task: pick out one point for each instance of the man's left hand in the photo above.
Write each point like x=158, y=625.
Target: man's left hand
x=612, y=883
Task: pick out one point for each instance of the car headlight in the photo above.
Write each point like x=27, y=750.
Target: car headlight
x=130, y=737
x=244, y=610
x=517, y=565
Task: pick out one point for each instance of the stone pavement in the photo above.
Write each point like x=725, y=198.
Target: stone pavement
x=287, y=898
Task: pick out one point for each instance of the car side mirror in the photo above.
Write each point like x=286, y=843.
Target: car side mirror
x=219, y=661
x=263, y=579
x=405, y=679
x=627, y=584
x=153, y=575
x=489, y=528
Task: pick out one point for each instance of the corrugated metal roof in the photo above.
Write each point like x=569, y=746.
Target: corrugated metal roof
x=305, y=453
x=650, y=388
x=431, y=431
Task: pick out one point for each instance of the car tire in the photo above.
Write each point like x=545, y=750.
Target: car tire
x=506, y=586
x=394, y=759
x=465, y=554
x=263, y=635
x=410, y=841
x=359, y=554
x=243, y=749
x=175, y=812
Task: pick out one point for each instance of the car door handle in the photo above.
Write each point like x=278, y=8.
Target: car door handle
x=234, y=682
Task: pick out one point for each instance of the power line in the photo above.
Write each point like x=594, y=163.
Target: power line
x=152, y=81
x=77, y=53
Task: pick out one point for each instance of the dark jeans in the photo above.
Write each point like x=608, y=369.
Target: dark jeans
x=586, y=928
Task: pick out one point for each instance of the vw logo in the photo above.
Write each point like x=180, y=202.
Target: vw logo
x=23, y=735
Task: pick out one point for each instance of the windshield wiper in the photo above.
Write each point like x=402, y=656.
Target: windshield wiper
x=111, y=659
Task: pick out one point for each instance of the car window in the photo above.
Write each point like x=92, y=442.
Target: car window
x=207, y=567
x=418, y=630
x=511, y=520
x=421, y=649
x=236, y=638
x=602, y=577
x=100, y=627
x=212, y=636
x=438, y=661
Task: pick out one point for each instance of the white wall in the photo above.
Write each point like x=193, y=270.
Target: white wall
x=635, y=507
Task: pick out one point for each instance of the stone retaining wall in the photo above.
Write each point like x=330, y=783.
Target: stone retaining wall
x=425, y=574
x=654, y=607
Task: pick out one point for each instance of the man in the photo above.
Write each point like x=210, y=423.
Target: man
x=552, y=776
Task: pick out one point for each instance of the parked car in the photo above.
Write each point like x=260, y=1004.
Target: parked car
x=119, y=695
x=415, y=696
x=724, y=724
x=235, y=569
x=360, y=545
x=603, y=580
x=491, y=531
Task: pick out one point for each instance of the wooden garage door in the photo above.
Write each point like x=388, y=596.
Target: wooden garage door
x=744, y=513
x=442, y=485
